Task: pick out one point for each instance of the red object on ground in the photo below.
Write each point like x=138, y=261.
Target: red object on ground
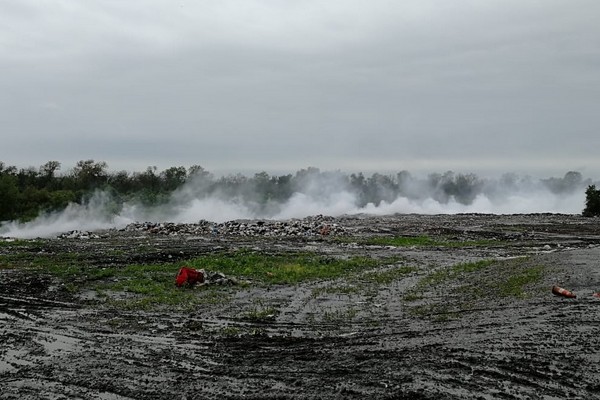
x=596, y=295
x=558, y=291
x=188, y=275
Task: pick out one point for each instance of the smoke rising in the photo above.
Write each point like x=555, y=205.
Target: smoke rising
x=312, y=192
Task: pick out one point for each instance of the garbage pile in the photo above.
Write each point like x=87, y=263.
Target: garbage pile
x=309, y=226
x=76, y=234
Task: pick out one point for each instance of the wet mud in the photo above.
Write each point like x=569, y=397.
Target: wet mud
x=462, y=338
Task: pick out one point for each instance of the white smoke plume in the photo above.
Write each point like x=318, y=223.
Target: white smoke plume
x=92, y=215
x=321, y=193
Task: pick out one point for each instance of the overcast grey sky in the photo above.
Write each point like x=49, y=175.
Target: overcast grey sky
x=250, y=85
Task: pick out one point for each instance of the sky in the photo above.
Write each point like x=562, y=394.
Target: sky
x=262, y=85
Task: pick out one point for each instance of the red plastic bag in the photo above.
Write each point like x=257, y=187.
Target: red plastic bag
x=189, y=275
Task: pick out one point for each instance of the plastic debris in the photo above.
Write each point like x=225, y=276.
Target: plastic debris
x=218, y=278
x=76, y=234
x=189, y=276
x=558, y=291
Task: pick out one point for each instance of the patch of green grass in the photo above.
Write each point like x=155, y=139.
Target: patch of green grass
x=365, y=283
x=514, y=285
x=463, y=286
x=441, y=276
x=344, y=289
x=340, y=316
x=261, y=314
x=412, y=295
x=435, y=312
x=470, y=291
x=400, y=241
x=470, y=243
x=153, y=285
x=507, y=279
x=164, y=299
x=230, y=331
x=71, y=287
x=471, y=266
x=388, y=276
x=282, y=268
x=435, y=279
x=409, y=241
x=39, y=261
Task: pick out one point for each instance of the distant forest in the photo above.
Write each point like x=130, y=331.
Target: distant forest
x=27, y=192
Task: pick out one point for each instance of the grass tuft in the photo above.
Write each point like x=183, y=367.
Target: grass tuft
x=388, y=276
x=462, y=286
x=514, y=285
x=422, y=241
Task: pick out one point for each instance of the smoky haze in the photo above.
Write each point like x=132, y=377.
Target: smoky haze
x=312, y=192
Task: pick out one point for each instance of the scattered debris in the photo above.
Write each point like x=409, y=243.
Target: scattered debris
x=76, y=234
x=218, y=278
x=190, y=277
x=309, y=226
x=558, y=291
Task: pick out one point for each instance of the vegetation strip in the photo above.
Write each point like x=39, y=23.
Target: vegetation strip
x=283, y=268
x=463, y=285
x=152, y=285
x=421, y=241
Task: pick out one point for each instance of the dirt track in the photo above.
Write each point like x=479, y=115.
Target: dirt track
x=322, y=342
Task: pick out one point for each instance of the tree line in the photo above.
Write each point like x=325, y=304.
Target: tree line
x=27, y=192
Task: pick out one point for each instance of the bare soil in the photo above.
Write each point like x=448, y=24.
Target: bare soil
x=460, y=338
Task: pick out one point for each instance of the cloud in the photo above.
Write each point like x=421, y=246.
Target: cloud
x=253, y=84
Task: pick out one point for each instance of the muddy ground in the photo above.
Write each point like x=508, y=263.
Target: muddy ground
x=461, y=337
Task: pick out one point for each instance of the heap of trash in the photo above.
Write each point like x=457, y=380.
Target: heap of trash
x=189, y=277
x=77, y=234
x=309, y=226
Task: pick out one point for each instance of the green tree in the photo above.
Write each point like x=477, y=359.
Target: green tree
x=173, y=177
x=47, y=174
x=49, y=169
x=90, y=174
x=283, y=187
x=9, y=195
x=592, y=202
x=120, y=181
x=467, y=187
x=147, y=186
x=27, y=177
x=198, y=172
